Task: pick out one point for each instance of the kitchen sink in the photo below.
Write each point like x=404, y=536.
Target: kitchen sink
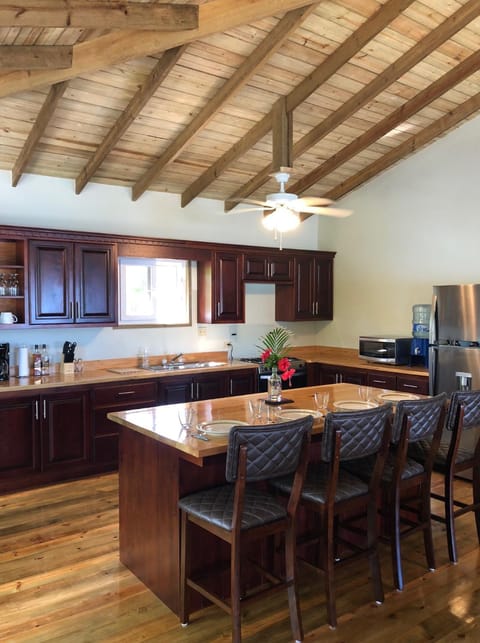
x=179, y=366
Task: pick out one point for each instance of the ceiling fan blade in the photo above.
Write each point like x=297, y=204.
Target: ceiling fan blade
x=314, y=200
x=328, y=212
x=254, y=201
x=237, y=210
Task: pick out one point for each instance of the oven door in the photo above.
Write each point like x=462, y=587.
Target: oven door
x=298, y=379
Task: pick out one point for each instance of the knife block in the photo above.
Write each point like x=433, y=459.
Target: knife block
x=68, y=368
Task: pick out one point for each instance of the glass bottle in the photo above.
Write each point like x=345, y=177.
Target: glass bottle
x=274, y=386
x=37, y=361
x=45, y=361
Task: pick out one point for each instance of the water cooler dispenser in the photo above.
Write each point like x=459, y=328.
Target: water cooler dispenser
x=421, y=323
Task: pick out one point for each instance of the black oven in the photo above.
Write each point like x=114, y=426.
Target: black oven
x=298, y=379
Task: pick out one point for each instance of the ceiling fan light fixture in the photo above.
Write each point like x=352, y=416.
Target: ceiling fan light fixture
x=282, y=219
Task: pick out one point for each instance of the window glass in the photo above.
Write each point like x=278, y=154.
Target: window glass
x=154, y=291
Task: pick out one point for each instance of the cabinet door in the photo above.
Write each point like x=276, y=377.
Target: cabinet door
x=323, y=289
x=280, y=268
x=242, y=382
x=19, y=445
x=65, y=429
x=175, y=390
x=95, y=280
x=228, y=288
x=262, y=267
x=51, y=282
x=305, y=287
x=209, y=386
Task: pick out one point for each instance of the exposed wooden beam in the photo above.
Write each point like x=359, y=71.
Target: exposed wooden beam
x=464, y=69
x=99, y=15
x=214, y=17
x=35, y=57
x=430, y=133
x=322, y=73
x=449, y=27
x=43, y=119
x=136, y=104
x=270, y=44
x=382, y=18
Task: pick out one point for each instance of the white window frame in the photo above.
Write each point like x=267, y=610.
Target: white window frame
x=158, y=294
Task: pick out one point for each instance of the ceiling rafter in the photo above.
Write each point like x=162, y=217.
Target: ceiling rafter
x=270, y=44
x=300, y=93
x=113, y=48
x=35, y=56
x=129, y=114
x=413, y=144
x=39, y=127
x=399, y=116
x=99, y=15
x=461, y=18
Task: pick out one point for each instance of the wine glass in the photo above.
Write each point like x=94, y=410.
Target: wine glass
x=321, y=401
x=3, y=283
x=13, y=284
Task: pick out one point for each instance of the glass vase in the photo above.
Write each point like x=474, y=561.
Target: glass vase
x=274, y=386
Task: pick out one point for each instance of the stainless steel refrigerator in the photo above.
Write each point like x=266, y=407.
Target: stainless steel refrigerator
x=454, y=352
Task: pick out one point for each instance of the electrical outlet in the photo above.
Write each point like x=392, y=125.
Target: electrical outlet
x=202, y=331
x=227, y=344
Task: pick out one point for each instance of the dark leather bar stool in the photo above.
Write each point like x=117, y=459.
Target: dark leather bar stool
x=406, y=483
x=455, y=456
x=242, y=511
x=330, y=492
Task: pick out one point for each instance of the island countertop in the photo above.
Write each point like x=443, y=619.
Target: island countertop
x=161, y=423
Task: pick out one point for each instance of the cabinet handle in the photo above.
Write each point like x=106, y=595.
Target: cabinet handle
x=218, y=309
x=120, y=393
x=316, y=308
x=44, y=409
x=198, y=391
x=379, y=382
x=414, y=386
x=191, y=391
x=36, y=409
x=71, y=309
x=77, y=310
x=231, y=386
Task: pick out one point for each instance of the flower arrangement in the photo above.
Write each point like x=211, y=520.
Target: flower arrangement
x=274, y=346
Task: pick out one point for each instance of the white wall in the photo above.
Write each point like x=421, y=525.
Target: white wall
x=415, y=226
x=52, y=203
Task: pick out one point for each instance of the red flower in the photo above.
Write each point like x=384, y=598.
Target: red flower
x=284, y=364
x=288, y=374
x=266, y=354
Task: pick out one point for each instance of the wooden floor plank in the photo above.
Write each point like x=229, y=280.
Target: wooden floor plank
x=61, y=582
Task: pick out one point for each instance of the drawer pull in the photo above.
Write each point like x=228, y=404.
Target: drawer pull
x=414, y=386
x=120, y=393
x=379, y=382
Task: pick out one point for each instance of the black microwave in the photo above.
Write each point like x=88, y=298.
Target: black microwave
x=386, y=349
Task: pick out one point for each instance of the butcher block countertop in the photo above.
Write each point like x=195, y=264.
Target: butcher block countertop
x=348, y=357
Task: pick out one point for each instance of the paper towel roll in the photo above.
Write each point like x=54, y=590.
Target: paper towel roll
x=23, y=367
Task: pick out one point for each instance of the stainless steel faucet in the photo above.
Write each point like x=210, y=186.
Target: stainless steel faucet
x=174, y=359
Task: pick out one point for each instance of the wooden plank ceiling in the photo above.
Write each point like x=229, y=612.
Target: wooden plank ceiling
x=182, y=97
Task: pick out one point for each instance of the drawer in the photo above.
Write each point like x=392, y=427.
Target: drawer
x=123, y=394
x=412, y=384
x=382, y=380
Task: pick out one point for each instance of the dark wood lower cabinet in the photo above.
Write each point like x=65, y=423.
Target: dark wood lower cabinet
x=332, y=374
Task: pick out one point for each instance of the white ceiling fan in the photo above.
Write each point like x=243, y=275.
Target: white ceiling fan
x=284, y=211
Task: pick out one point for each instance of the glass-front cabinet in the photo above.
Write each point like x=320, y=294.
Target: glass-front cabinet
x=12, y=281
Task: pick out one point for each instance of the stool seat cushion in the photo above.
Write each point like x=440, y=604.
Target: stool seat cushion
x=316, y=481
x=215, y=506
x=419, y=451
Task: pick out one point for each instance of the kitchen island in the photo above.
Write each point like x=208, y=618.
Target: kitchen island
x=159, y=464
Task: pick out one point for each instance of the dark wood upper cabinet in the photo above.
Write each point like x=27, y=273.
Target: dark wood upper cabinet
x=310, y=296
x=72, y=282
x=220, y=289
x=267, y=267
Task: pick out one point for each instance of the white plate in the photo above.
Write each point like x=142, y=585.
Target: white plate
x=396, y=397
x=296, y=414
x=219, y=428
x=354, y=405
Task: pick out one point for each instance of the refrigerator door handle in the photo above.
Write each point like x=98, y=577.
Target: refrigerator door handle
x=433, y=330
x=432, y=370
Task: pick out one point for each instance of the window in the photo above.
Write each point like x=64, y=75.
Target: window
x=154, y=291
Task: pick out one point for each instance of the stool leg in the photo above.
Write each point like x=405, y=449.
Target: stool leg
x=184, y=569
x=476, y=497
x=235, y=591
x=291, y=578
x=426, y=521
x=449, y=517
x=329, y=549
x=393, y=517
x=372, y=544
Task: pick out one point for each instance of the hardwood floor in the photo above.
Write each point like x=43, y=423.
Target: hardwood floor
x=61, y=581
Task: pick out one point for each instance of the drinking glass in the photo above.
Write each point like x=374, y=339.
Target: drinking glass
x=364, y=393
x=321, y=401
x=186, y=417
x=255, y=408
